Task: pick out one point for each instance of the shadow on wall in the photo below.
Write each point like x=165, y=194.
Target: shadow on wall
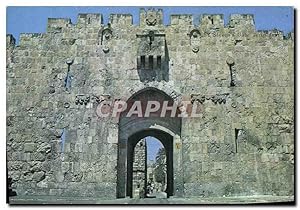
x=153, y=58
x=9, y=191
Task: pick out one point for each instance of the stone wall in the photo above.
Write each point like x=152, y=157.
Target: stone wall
x=139, y=169
x=242, y=79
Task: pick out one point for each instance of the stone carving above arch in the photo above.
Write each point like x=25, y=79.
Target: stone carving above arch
x=216, y=99
x=82, y=99
x=85, y=99
x=160, y=86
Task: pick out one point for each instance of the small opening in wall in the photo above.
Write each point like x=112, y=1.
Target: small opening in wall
x=67, y=82
x=143, y=62
x=232, y=75
x=150, y=62
x=159, y=62
x=239, y=136
x=236, y=139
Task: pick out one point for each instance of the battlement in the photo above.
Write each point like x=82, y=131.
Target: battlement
x=241, y=20
x=153, y=18
x=212, y=21
x=56, y=24
x=121, y=19
x=182, y=19
x=90, y=19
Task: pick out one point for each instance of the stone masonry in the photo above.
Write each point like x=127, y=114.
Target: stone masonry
x=139, y=169
x=241, y=78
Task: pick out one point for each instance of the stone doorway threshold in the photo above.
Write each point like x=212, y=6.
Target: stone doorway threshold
x=19, y=200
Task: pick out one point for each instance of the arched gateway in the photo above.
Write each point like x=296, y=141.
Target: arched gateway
x=167, y=129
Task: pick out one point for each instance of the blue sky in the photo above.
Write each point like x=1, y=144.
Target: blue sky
x=152, y=147
x=34, y=19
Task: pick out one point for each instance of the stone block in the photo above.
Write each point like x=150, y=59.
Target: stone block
x=65, y=166
x=38, y=176
x=264, y=157
x=29, y=147
x=55, y=192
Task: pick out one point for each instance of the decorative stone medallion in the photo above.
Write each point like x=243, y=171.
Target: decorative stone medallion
x=151, y=19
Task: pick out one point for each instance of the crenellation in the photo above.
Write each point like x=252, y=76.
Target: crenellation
x=55, y=25
x=151, y=17
x=242, y=21
x=212, y=21
x=89, y=20
x=210, y=24
x=121, y=20
x=181, y=20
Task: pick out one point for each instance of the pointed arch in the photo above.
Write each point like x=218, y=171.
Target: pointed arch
x=132, y=129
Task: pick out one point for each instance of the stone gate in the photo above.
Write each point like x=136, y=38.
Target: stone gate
x=241, y=79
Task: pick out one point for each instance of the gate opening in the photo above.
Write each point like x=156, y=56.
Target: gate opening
x=149, y=179
x=166, y=130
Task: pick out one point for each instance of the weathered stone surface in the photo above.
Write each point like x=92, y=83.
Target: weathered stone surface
x=139, y=170
x=29, y=147
x=38, y=176
x=242, y=80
